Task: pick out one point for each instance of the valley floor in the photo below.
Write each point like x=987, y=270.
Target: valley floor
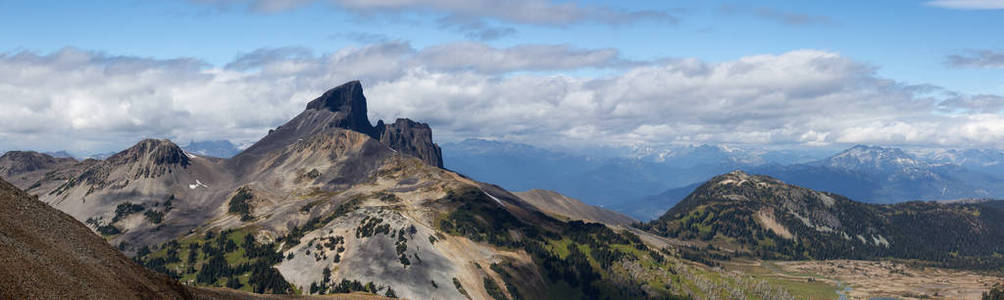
x=859, y=279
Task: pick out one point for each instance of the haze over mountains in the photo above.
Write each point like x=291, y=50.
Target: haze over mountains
x=644, y=185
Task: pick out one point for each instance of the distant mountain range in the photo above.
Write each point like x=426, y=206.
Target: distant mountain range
x=604, y=181
x=219, y=148
x=649, y=182
x=888, y=175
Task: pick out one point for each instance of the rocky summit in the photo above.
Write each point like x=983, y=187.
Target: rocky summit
x=344, y=107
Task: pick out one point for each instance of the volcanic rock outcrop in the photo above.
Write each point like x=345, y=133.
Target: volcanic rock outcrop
x=344, y=107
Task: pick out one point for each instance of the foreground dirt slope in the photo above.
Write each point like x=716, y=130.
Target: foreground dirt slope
x=46, y=254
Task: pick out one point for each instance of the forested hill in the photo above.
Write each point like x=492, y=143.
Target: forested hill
x=765, y=217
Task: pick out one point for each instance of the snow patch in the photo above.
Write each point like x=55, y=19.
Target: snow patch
x=197, y=184
x=189, y=154
x=493, y=198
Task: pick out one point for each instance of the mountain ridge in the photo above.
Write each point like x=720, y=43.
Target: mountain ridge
x=769, y=218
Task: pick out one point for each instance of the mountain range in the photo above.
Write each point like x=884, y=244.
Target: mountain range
x=329, y=203
x=649, y=182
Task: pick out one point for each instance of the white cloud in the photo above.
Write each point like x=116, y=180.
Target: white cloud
x=87, y=101
x=968, y=4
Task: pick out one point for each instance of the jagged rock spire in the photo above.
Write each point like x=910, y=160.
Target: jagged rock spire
x=346, y=99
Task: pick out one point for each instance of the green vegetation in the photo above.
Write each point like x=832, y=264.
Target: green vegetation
x=493, y=289
x=576, y=258
x=943, y=235
x=125, y=209
x=345, y=286
x=232, y=258
x=995, y=293
x=387, y=197
x=401, y=246
x=482, y=220
x=293, y=237
x=507, y=279
x=370, y=226
x=460, y=288
x=102, y=228
x=239, y=204
x=154, y=216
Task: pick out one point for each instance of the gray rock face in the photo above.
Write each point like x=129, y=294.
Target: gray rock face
x=344, y=107
x=158, y=152
x=412, y=138
x=348, y=102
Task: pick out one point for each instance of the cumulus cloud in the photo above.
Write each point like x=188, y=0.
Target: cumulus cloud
x=967, y=4
x=977, y=59
x=88, y=101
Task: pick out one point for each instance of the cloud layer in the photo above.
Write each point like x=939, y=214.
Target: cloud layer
x=87, y=101
x=977, y=59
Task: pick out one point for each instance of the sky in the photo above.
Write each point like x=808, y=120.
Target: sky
x=98, y=76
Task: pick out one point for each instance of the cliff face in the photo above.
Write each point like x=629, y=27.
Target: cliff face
x=349, y=106
x=411, y=138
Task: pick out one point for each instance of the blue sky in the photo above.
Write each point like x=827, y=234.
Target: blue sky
x=909, y=43
x=907, y=40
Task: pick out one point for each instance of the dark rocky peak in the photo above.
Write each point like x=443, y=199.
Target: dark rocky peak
x=17, y=162
x=159, y=152
x=348, y=102
x=342, y=107
x=412, y=138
